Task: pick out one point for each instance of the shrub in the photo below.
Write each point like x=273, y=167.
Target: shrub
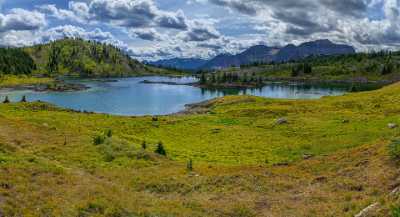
x=395, y=211
x=6, y=100
x=242, y=211
x=98, y=140
x=109, y=133
x=394, y=149
x=90, y=209
x=190, y=165
x=160, y=149
x=23, y=99
x=109, y=152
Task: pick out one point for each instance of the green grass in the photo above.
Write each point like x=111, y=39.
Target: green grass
x=21, y=80
x=240, y=130
x=244, y=163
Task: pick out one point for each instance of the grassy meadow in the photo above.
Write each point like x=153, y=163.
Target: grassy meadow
x=251, y=156
x=22, y=80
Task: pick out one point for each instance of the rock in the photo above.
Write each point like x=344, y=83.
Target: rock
x=392, y=125
x=307, y=156
x=395, y=192
x=281, y=121
x=365, y=212
x=345, y=121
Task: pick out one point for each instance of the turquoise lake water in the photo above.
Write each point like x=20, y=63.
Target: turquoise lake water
x=129, y=97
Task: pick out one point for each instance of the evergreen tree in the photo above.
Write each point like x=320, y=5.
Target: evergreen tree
x=244, y=80
x=109, y=133
x=160, y=149
x=144, y=145
x=23, y=99
x=203, y=78
x=6, y=100
x=189, y=165
x=213, y=79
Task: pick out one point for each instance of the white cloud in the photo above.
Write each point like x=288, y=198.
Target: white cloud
x=22, y=20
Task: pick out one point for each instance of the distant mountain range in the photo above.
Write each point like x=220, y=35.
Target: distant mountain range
x=260, y=53
x=180, y=63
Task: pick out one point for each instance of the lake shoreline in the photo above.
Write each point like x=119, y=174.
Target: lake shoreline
x=52, y=87
x=270, y=81
x=169, y=96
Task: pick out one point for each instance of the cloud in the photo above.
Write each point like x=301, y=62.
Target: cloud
x=345, y=21
x=22, y=20
x=70, y=31
x=60, y=14
x=354, y=8
x=200, y=32
x=122, y=13
x=172, y=20
x=240, y=6
x=147, y=34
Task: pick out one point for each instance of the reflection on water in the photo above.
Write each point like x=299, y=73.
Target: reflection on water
x=130, y=97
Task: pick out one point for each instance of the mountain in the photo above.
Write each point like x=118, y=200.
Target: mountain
x=265, y=54
x=83, y=58
x=315, y=48
x=258, y=53
x=180, y=63
x=73, y=57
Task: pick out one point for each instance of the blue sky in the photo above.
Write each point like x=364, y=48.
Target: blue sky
x=154, y=29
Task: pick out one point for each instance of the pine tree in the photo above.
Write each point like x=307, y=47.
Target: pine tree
x=203, y=79
x=109, y=133
x=144, y=145
x=189, y=165
x=160, y=149
x=23, y=99
x=6, y=100
x=213, y=79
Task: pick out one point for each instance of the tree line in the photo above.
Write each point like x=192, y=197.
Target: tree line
x=15, y=61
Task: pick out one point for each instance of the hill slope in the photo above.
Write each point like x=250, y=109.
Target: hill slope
x=381, y=67
x=72, y=57
x=83, y=58
x=333, y=152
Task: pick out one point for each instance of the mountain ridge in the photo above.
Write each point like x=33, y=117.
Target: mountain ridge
x=179, y=63
x=263, y=54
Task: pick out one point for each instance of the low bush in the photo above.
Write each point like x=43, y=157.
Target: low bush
x=190, y=165
x=98, y=139
x=160, y=149
x=395, y=211
x=394, y=149
x=113, y=148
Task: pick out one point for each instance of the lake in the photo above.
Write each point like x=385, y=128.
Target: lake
x=128, y=96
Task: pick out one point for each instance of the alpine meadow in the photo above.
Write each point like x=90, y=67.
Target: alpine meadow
x=200, y=108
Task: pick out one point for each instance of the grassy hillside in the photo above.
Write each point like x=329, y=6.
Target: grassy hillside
x=251, y=157
x=72, y=57
x=361, y=67
x=85, y=59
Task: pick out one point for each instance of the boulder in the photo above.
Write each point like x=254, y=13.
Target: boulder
x=281, y=121
x=367, y=211
x=392, y=125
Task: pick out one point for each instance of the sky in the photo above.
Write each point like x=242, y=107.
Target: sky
x=159, y=29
